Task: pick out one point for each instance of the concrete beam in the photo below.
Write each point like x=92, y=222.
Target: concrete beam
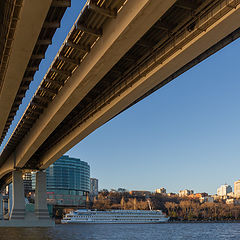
x=222, y=28
x=32, y=16
x=44, y=41
x=54, y=82
x=103, y=11
x=61, y=3
x=38, y=56
x=7, y=167
x=187, y=5
x=84, y=49
x=91, y=31
x=69, y=60
x=51, y=25
x=119, y=36
x=61, y=72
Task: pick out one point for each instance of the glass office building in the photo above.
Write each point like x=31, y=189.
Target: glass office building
x=68, y=182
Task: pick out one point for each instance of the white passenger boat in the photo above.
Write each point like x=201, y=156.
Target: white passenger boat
x=115, y=216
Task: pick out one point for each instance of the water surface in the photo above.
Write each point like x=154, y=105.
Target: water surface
x=206, y=231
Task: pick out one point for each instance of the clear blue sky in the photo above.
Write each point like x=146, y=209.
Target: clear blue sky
x=185, y=135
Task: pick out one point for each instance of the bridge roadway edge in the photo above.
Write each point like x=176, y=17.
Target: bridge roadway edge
x=32, y=16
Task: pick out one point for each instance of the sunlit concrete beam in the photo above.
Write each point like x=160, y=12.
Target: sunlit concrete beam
x=103, y=11
x=69, y=60
x=61, y=72
x=32, y=16
x=90, y=31
x=78, y=47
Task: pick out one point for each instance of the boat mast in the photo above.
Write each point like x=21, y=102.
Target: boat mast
x=149, y=204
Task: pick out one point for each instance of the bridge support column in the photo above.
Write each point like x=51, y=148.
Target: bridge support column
x=25, y=218
x=18, y=200
x=41, y=209
x=8, y=207
x=1, y=206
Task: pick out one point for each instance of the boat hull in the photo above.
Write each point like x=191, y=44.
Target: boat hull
x=113, y=222
x=114, y=217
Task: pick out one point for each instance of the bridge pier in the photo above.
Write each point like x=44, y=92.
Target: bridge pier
x=19, y=217
x=18, y=200
x=41, y=209
x=1, y=206
x=9, y=207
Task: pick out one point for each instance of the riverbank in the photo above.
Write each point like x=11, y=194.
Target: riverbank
x=58, y=221
x=205, y=221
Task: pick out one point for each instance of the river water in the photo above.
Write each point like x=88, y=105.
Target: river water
x=206, y=231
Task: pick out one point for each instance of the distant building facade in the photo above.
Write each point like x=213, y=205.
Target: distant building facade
x=223, y=190
x=185, y=192
x=68, y=182
x=172, y=194
x=139, y=193
x=237, y=188
x=197, y=195
x=122, y=190
x=206, y=199
x=93, y=187
x=27, y=183
x=161, y=190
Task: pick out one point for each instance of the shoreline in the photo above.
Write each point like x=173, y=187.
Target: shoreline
x=169, y=222
x=215, y=221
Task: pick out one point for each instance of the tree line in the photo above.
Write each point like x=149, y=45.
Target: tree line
x=177, y=208
x=193, y=210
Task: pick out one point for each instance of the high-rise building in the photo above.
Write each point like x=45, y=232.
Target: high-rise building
x=93, y=187
x=223, y=190
x=68, y=182
x=237, y=188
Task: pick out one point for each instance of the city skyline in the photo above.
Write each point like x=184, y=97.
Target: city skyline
x=182, y=136
x=166, y=190
x=94, y=181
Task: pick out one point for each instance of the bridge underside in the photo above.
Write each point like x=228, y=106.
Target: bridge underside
x=175, y=44
x=180, y=38
x=27, y=28
x=96, y=56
